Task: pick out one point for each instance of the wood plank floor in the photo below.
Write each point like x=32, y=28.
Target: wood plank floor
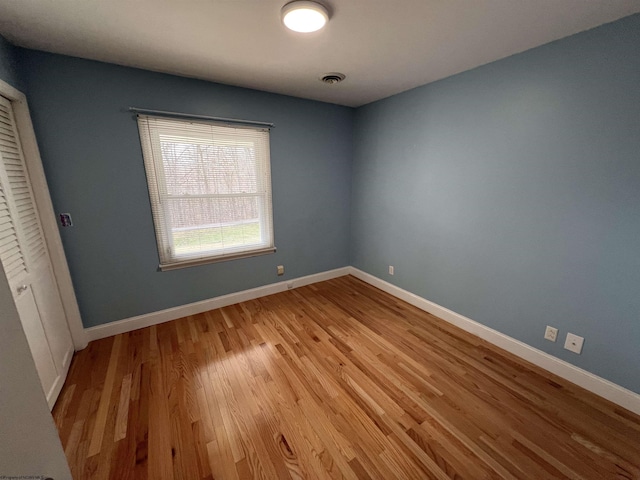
x=333, y=380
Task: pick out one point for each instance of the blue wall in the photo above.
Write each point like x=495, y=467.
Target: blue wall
x=511, y=194
x=92, y=158
x=8, y=64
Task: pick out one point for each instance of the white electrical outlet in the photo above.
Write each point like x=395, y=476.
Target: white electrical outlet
x=551, y=333
x=574, y=343
x=280, y=269
x=391, y=269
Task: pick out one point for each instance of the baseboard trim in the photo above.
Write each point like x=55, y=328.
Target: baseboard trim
x=598, y=385
x=154, y=318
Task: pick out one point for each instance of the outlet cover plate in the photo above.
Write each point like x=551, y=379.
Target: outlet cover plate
x=551, y=333
x=574, y=343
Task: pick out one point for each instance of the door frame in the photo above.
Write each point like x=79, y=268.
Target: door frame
x=42, y=199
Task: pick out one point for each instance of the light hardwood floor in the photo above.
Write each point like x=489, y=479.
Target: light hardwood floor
x=333, y=380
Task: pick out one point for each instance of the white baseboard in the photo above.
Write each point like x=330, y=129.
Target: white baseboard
x=154, y=318
x=600, y=386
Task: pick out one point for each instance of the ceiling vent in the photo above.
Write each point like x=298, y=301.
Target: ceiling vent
x=332, y=78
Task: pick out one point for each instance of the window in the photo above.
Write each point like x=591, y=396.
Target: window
x=210, y=190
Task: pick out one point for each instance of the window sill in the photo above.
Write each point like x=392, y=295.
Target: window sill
x=204, y=261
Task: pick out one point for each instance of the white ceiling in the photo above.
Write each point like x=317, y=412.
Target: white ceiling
x=383, y=46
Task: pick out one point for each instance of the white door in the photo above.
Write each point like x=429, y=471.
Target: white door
x=27, y=265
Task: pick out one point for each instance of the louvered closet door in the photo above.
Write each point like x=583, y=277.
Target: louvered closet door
x=26, y=263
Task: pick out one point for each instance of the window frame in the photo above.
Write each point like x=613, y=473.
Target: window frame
x=160, y=197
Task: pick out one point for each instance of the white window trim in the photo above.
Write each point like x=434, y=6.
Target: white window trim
x=155, y=181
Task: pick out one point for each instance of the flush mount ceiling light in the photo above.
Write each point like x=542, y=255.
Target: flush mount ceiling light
x=304, y=17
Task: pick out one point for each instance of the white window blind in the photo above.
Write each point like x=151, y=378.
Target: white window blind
x=210, y=190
